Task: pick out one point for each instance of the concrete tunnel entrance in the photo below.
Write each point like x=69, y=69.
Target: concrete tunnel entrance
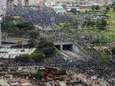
x=64, y=47
x=67, y=47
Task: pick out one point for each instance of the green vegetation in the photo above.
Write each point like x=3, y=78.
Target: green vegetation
x=36, y=57
x=44, y=51
x=66, y=25
x=20, y=28
x=103, y=36
x=113, y=5
x=97, y=23
x=95, y=8
x=39, y=75
x=98, y=32
x=47, y=48
x=102, y=56
x=74, y=11
x=100, y=29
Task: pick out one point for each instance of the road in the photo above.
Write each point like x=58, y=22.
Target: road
x=72, y=56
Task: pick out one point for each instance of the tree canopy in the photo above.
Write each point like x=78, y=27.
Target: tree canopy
x=20, y=28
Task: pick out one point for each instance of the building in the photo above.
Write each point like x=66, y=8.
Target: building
x=38, y=2
x=50, y=3
x=79, y=2
x=59, y=9
x=12, y=3
x=42, y=16
x=88, y=3
x=55, y=2
x=3, y=6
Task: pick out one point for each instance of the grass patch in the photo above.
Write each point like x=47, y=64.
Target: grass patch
x=107, y=35
x=103, y=57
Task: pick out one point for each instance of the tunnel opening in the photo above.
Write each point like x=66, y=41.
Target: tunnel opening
x=67, y=47
x=58, y=47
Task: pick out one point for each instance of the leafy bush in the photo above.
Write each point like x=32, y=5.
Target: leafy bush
x=39, y=75
x=36, y=57
x=47, y=48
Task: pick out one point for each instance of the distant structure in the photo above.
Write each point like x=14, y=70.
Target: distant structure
x=84, y=3
x=36, y=13
x=56, y=2
x=41, y=16
x=3, y=5
x=38, y=2
x=12, y=3
x=49, y=3
x=59, y=9
x=88, y=3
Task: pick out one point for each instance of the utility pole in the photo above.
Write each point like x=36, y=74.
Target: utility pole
x=0, y=31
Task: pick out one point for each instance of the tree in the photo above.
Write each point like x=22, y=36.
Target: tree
x=89, y=23
x=101, y=24
x=39, y=75
x=37, y=56
x=20, y=28
x=95, y=7
x=33, y=34
x=74, y=11
x=23, y=58
x=113, y=5
x=9, y=26
x=67, y=25
x=113, y=51
x=107, y=9
x=47, y=48
x=24, y=28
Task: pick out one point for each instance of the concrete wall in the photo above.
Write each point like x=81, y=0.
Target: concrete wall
x=76, y=49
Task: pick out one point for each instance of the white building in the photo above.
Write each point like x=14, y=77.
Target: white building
x=59, y=9
x=88, y=3
x=23, y=2
x=3, y=5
